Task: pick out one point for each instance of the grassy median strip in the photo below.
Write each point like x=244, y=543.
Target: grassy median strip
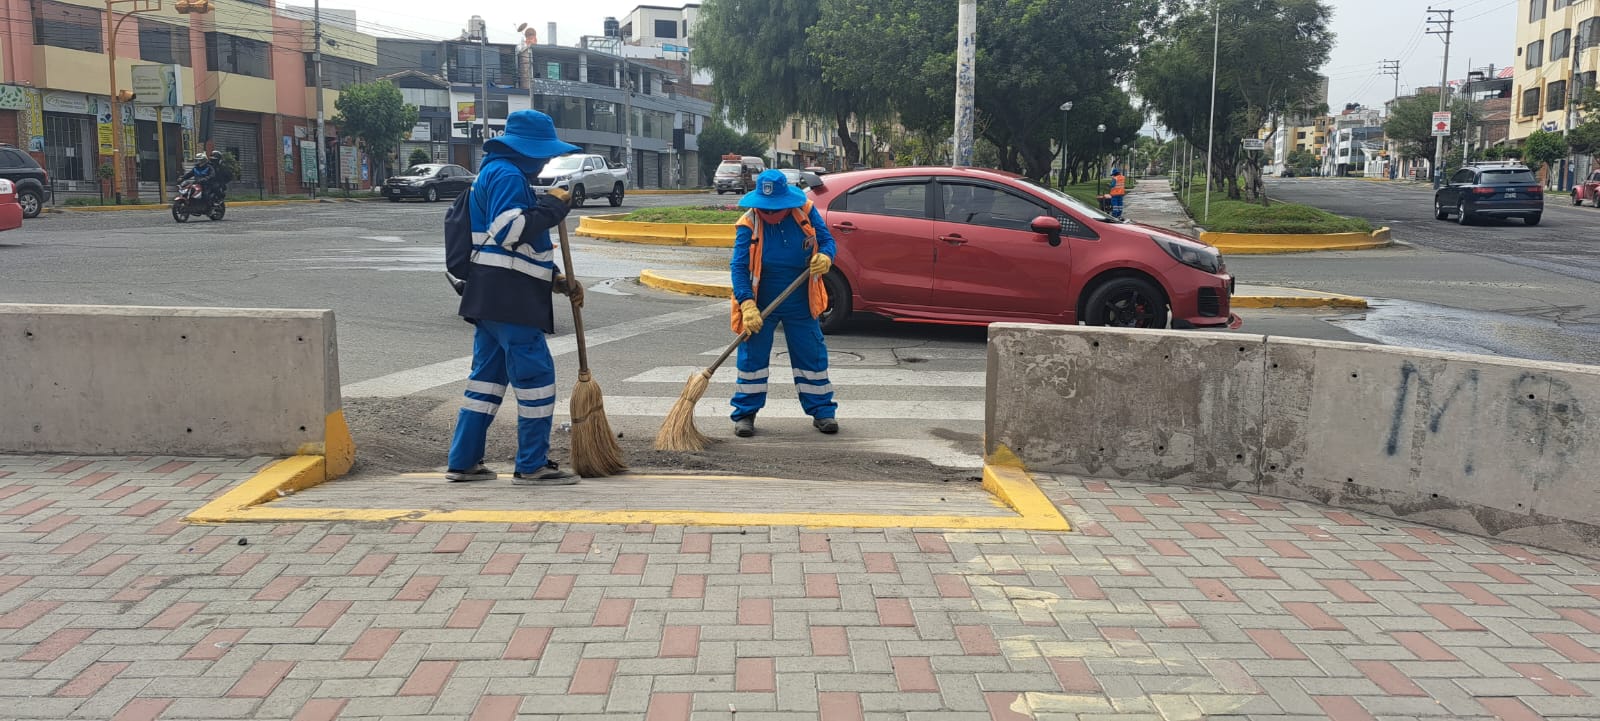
x=1237, y=216
x=686, y=214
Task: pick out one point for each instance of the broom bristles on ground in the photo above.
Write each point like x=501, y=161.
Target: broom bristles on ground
x=677, y=431
x=595, y=452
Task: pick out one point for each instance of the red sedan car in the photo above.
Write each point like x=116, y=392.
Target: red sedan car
x=10, y=211
x=971, y=246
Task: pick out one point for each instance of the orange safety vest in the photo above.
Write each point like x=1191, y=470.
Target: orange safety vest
x=1119, y=186
x=817, y=293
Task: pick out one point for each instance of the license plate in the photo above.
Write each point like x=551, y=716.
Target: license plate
x=1511, y=194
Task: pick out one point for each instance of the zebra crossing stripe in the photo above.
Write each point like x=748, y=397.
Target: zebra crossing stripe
x=712, y=407
x=840, y=375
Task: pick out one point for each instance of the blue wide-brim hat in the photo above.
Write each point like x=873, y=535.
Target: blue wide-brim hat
x=532, y=134
x=773, y=192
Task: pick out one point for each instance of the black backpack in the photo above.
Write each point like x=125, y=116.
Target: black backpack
x=458, y=242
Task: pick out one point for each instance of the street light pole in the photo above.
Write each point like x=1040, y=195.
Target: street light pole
x=322, y=127
x=966, y=60
x=1099, y=144
x=1211, y=129
x=1066, y=107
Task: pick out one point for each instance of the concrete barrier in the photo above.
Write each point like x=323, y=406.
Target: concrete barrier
x=1497, y=447
x=171, y=381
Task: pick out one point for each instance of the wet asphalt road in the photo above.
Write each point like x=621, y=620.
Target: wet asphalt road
x=1500, y=288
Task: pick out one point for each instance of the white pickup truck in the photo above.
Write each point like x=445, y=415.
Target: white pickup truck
x=585, y=176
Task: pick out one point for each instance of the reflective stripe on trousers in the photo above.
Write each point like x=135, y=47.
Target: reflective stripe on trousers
x=505, y=354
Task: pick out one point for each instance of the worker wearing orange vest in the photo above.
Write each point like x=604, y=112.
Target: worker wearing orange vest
x=780, y=238
x=1119, y=188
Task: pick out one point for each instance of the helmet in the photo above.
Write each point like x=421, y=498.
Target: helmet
x=201, y=159
x=216, y=155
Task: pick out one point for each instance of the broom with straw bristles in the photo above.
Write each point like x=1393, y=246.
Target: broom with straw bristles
x=594, y=447
x=677, y=431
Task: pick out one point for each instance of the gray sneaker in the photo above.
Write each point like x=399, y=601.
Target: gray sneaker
x=826, y=425
x=745, y=427
x=552, y=475
x=478, y=473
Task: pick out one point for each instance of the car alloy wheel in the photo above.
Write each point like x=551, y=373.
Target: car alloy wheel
x=432, y=195
x=31, y=205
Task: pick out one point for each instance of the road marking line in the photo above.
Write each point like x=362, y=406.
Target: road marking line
x=840, y=374
x=406, y=382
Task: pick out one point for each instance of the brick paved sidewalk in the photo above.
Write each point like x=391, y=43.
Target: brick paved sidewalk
x=1168, y=603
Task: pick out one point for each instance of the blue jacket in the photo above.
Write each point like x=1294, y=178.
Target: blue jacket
x=513, y=260
x=784, y=256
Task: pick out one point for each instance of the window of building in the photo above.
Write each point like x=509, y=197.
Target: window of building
x=667, y=29
x=241, y=56
x=67, y=26
x=1589, y=33
x=794, y=129
x=164, y=43
x=337, y=73
x=435, y=99
x=1300, y=135
x=1560, y=45
x=1555, y=95
x=1535, y=55
x=1536, y=10
x=1558, y=4
x=1586, y=81
x=1530, y=102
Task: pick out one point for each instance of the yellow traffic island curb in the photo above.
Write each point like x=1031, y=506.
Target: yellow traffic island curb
x=1272, y=243
x=316, y=464
x=669, y=191
x=708, y=283
x=699, y=235
x=288, y=492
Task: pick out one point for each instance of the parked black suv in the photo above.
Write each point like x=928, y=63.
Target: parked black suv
x=1490, y=190
x=33, y=183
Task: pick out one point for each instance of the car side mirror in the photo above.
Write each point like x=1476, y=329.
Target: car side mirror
x=1050, y=227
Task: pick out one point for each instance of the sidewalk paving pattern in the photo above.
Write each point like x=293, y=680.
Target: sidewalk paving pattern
x=1166, y=603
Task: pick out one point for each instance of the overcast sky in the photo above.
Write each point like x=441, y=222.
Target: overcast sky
x=1367, y=31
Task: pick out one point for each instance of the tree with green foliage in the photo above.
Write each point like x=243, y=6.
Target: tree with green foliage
x=764, y=72
x=1410, y=126
x=1269, y=52
x=1032, y=55
x=419, y=157
x=1543, y=148
x=717, y=140
x=377, y=116
x=1302, y=161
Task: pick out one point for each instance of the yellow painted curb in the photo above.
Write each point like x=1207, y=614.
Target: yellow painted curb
x=670, y=191
x=252, y=500
x=700, y=235
x=652, y=279
x=317, y=463
x=1295, y=301
x=1271, y=243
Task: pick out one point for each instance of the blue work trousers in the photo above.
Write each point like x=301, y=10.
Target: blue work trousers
x=808, y=356
x=502, y=354
x=1116, y=206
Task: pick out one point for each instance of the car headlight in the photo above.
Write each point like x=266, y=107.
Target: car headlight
x=1193, y=255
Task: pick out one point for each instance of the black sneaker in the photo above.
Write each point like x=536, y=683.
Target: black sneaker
x=478, y=473
x=745, y=427
x=826, y=425
x=552, y=475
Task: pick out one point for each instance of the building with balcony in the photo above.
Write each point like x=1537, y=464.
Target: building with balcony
x=1558, y=48
x=245, y=85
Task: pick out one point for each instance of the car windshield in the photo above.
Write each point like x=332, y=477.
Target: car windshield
x=1078, y=205
x=1507, y=177
x=565, y=162
x=731, y=168
x=420, y=171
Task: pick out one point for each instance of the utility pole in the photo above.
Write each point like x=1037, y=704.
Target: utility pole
x=1211, y=130
x=1442, y=25
x=627, y=125
x=1391, y=67
x=1572, y=106
x=1466, y=120
x=966, y=59
x=322, y=127
x=482, y=30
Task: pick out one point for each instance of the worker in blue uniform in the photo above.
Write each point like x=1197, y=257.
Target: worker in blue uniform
x=780, y=238
x=508, y=296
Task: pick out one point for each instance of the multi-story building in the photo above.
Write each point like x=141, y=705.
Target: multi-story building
x=658, y=25
x=1558, y=48
x=244, y=80
x=588, y=92
x=1354, y=141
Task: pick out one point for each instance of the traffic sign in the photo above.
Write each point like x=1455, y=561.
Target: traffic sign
x=1253, y=144
x=1441, y=123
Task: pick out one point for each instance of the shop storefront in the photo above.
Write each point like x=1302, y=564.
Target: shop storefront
x=72, y=140
x=243, y=141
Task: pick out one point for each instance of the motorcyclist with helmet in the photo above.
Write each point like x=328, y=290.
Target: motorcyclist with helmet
x=202, y=173
x=220, y=176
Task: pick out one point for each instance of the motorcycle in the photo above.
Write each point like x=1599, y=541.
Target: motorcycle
x=191, y=200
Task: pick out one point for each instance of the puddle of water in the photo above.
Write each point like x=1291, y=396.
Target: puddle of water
x=1433, y=327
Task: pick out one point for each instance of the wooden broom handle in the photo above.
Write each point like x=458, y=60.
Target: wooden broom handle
x=770, y=307
x=577, y=312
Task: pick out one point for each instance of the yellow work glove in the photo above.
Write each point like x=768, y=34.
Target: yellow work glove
x=820, y=263
x=752, y=317
x=561, y=195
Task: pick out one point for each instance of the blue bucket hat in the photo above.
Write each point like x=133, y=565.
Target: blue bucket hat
x=531, y=134
x=773, y=192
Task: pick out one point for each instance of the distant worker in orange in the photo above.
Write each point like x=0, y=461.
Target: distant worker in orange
x=1119, y=188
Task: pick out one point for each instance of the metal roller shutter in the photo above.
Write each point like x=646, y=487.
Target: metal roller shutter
x=243, y=140
x=650, y=174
